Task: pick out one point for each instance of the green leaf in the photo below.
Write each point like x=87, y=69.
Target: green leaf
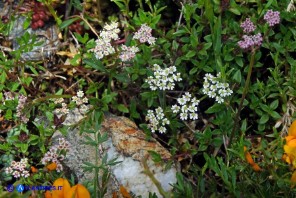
x=190, y=54
x=94, y=63
x=264, y=107
x=264, y=119
x=209, y=10
x=237, y=76
x=235, y=11
x=68, y=22
x=122, y=108
x=155, y=156
x=275, y=115
x=274, y=104
x=215, y=108
x=24, y=148
x=33, y=140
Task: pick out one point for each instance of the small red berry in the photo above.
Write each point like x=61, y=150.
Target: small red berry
x=40, y=23
x=34, y=25
x=35, y=17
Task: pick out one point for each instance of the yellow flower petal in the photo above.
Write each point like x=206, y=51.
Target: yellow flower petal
x=248, y=157
x=256, y=167
x=292, y=129
x=47, y=194
x=124, y=192
x=65, y=188
x=78, y=191
x=290, y=150
x=51, y=166
x=293, y=179
x=33, y=169
x=292, y=143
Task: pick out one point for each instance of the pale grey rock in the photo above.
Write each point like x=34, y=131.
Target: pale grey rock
x=125, y=143
x=48, y=35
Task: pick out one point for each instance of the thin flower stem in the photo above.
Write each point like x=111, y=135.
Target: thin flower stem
x=99, y=10
x=96, y=182
x=148, y=172
x=237, y=117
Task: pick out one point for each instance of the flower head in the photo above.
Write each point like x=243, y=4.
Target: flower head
x=250, y=41
x=55, y=155
x=272, y=17
x=216, y=89
x=103, y=43
x=187, y=106
x=157, y=120
x=248, y=26
x=144, y=35
x=163, y=79
x=18, y=169
x=128, y=53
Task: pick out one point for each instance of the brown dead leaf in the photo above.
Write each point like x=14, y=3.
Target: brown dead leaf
x=65, y=53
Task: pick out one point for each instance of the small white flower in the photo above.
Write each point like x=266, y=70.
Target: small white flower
x=181, y=101
x=193, y=116
x=212, y=94
x=162, y=129
x=175, y=109
x=183, y=116
x=8, y=170
x=219, y=99
x=184, y=109
x=194, y=101
x=80, y=94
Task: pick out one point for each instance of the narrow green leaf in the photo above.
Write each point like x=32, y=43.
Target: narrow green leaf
x=68, y=22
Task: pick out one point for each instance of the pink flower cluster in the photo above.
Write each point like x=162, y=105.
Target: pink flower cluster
x=248, y=26
x=128, y=53
x=144, y=34
x=18, y=169
x=57, y=154
x=19, y=109
x=272, y=17
x=250, y=41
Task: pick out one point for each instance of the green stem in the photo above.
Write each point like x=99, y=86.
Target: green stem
x=53, y=12
x=161, y=96
x=237, y=117
x=153, y=179
x=96, y=169
x=49, y=97
x=99, y=10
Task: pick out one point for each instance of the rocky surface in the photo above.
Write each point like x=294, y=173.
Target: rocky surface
x=47, y=37
x=129, y=145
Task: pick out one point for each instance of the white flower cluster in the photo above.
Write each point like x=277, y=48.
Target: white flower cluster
x=56, y=154
x=78, y=99
x=18, y=169
x=216, y=89
x=80, y=102
x=188, y=106
x=164, y=79
x=157, y=120
x=63, y=110
x=144, y=34
x=128, y=53
x=103, y=43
